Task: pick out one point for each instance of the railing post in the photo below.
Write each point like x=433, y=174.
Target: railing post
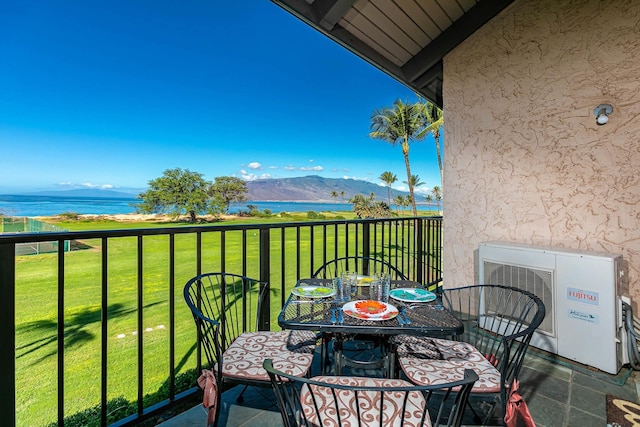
x=264, y=324
x=8, y=333
x=366, y=246
x=420, y=261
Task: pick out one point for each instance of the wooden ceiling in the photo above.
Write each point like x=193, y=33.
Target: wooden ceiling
x=407, y=39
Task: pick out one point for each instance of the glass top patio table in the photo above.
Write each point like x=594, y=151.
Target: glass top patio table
x=315, y=314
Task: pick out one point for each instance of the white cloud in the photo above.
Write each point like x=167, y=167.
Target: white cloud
x=273, y=167
x=100, y=186
x=312, y=168
x=247, y=176
x=289, y=168
x=254, y=165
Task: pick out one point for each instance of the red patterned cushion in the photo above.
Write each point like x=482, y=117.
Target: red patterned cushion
x=456, y=356
x=291, y=352
x=369, y=403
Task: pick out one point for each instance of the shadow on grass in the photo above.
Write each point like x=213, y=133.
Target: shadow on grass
x=76, y=331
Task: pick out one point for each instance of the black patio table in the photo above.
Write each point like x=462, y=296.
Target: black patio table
x=320, y=314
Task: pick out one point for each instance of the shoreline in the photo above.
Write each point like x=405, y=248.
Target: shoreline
x=130, y=217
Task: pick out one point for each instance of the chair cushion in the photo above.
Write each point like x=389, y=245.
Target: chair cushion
x=455, y=357
x=291, y=352
x=369, y=403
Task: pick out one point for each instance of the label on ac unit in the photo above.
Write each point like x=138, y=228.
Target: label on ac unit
x=581, y=295
x=581, y=315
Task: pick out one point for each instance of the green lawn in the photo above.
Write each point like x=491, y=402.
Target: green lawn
x=37, y=311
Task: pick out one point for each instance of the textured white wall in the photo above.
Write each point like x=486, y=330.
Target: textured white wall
x=524, y=158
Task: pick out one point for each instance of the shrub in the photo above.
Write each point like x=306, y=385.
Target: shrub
x=315, y=215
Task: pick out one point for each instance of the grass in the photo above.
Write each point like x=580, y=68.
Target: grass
x=37, y=350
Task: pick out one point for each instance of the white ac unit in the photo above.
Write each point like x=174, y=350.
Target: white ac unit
x=580, y=291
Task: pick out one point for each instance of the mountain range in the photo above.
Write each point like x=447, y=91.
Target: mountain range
x=314, y=188
x=311, y=188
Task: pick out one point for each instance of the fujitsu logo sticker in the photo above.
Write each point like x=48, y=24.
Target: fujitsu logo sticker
x=580, y=295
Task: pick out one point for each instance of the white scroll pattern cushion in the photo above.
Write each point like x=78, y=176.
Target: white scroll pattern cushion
x=291, y=352
x=456, y=357
x=369, y=404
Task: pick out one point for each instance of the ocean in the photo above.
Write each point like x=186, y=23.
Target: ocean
x=31, y=206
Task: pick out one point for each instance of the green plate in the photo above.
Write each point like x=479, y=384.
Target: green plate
x=313, y=291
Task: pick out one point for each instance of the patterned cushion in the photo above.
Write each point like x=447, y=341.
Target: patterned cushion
x=369, y=403
x=456, y=357
x=291, y=352
x=419, y=347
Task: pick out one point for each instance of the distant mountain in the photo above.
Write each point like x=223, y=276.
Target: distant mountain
x=86, y=192
x=314, y=188
x=311, y=188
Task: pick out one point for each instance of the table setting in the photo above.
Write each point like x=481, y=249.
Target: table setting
x=359, y=303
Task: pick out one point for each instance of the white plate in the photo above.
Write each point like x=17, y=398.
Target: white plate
x=370, y=310
x=412, y=295
x=313, y=291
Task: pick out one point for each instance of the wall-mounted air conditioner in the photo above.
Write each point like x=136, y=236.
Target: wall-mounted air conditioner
x=580, y=291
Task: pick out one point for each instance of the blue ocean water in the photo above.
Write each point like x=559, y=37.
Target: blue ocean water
x=30, y=206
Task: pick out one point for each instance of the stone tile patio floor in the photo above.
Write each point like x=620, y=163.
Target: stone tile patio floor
x=558, y=392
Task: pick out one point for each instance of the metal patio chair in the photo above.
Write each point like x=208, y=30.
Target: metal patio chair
x=499, y=322
x=225, y=308
x=361, y=401
x=352, y=347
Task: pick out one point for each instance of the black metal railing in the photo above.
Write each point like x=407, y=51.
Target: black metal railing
x=127, y=262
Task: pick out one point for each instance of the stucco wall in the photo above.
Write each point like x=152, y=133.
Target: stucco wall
x=524, y=158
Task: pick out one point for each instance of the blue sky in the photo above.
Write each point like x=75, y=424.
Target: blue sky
x=111, y=94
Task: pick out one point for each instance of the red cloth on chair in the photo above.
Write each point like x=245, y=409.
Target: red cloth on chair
x=207, y=382
x=516, y=406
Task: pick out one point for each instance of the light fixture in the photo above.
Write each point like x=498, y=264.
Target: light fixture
x=602, y=112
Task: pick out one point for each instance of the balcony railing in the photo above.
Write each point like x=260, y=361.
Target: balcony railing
x=80, y=319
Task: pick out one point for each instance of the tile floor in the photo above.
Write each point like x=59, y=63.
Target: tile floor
x=559, y=393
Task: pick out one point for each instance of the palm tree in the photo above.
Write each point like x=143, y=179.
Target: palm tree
x=401, y=124
x=437, y=194
x=429, y=200
x=415, y=181
x=433, y=122
x=342, y=195
x=334, y=194
x=388, y=178
x=399, y=201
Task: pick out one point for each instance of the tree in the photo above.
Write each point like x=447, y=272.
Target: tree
x=399, y=201
x=433, y=122
x=388, y=178
x=176, y=192
x=415, y=181
x=334, y=194
x=401, y=124
x=228, y=189
x=429, y=200
x=437, y=194
x=368, y=207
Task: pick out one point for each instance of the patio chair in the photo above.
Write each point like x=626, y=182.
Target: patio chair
x=362, y=401
x=363, y=265
x=499, y=322
x=356, y=345
x=225, y=310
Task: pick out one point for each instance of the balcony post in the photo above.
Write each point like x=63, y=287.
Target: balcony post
x=420, y=255
x=8, y=333
x=264, y=323
x=366, y=246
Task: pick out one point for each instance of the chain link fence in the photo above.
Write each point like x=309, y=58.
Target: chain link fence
x=10, y=224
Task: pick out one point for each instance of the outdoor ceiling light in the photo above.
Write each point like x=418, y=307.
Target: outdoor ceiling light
x=602, y=112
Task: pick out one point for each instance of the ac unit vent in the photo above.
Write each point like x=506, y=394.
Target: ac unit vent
x=538, y=282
